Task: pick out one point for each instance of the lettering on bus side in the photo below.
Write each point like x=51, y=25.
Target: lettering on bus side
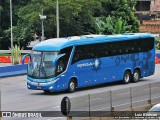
x=96, y=64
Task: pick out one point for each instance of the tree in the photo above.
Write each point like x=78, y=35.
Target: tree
x=158, y=43
x=124, y=9
x=76, y=18
x=110, y=25
x=99, y=25
x=5, y=21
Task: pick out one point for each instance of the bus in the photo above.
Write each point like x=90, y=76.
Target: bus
x=68, y=63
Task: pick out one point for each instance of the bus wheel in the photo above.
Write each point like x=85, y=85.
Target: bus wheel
x=71, y=86
x=126, y=77
x=136, y=76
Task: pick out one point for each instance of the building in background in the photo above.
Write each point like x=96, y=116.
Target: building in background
x=148, y=9
x=148, y=12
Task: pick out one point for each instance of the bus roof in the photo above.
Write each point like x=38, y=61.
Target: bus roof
x=57, y=44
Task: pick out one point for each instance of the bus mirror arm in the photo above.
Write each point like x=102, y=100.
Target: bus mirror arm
x=23, y=58
x=56, y=59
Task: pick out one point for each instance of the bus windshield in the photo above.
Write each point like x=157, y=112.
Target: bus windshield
x=40, y=65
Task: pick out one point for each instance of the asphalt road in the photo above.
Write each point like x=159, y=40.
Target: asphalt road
x=16, y=97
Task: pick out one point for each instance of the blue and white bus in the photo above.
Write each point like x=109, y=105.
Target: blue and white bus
x=69, y=63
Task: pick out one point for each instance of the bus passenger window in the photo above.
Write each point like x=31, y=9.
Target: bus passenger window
x=106, y=53
x=126, y=51
x=76, y=57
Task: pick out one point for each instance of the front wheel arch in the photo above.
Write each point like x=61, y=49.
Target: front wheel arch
x=72, y=85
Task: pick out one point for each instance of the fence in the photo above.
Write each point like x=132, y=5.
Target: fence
x=93, y=105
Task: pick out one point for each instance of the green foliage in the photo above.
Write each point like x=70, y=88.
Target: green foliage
x=21, y=35
x=1, y=8
x=111, y=26
x=99, y=25
x=16, y=54
x=158, y=43
x=5, y=54
x=123, y=9
x=118, y=26
x=76, y=18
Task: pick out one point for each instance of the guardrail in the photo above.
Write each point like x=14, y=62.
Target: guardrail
x=93, y=105
x=6, y=71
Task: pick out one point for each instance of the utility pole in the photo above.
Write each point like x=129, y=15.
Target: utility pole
x=11, y=29
x=42, y=17
x=11, y=24
x=57, y=18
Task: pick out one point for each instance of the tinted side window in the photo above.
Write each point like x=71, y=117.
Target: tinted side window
x=112, y=48
x=132, y=46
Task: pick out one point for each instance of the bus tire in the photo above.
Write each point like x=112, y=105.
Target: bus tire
x=136, y=76
x=71, y=86
x=126, y=77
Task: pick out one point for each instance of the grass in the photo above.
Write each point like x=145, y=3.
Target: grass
x=5, y=54
x=8, y=54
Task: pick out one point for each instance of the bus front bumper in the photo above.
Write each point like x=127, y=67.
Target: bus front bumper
x=41, y=86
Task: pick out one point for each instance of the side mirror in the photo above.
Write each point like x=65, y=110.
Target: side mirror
x=23, y=58
x=54, y=62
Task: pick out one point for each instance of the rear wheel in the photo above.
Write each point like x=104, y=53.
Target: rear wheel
x=136, y=76
x=72, y=86
x=126, y=77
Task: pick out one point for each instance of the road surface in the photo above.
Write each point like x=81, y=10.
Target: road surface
x=16, y=97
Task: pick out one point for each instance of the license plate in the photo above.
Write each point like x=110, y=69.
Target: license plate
x=38, y=87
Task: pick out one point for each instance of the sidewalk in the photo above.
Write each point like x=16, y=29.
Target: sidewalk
x=8, y=51
x=5, y=64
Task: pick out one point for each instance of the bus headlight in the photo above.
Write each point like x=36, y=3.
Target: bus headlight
x=51, y=87
x=53, y=81
x=29, y=86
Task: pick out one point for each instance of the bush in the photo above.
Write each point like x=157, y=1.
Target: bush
x=158, y=43
x=16, y=54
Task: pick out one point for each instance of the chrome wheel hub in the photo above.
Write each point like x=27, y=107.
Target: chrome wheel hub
x=72, y=86
x=126, y=77
x=136, y=76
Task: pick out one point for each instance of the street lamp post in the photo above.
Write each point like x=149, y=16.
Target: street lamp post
x=42, y=17
x=11, y=29
x=57, y=18
x=11, y=24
